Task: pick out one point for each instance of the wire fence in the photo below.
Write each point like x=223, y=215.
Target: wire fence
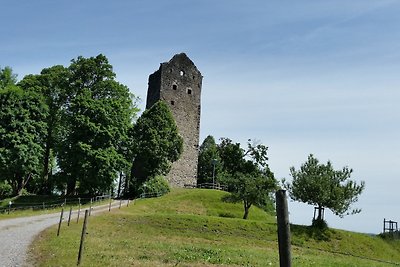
x=20, y=206
x=217, y=186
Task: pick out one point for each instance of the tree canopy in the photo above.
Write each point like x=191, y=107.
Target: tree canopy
x=7, y=77
x=52, y=84
x=245, y=172
x=72, y=120
x=156, y=143
x=22, y=128
x=320, y=185
x=99, y=114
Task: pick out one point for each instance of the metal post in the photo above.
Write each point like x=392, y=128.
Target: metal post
x=283, y=229
x=109, y=206
x=82, y=238
x=120, y=203
x=59, y=224
x=43, y=205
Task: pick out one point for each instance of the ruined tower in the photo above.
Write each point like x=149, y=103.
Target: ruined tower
x=178, y=83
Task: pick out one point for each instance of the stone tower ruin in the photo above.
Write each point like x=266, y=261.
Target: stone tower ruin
x=178, y=83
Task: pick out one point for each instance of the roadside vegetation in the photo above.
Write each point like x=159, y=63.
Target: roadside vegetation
x=194, y=227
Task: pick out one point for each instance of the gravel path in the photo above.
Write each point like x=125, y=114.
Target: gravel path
x=17, y=234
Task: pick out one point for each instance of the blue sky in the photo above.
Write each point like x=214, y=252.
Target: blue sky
x=301, y=76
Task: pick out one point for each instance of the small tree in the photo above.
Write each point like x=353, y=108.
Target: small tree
x=246, y=173
x=252, y=189
x=320, y=185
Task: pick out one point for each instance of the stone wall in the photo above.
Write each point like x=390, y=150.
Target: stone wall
x=178, y=82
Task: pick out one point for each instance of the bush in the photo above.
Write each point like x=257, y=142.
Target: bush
x=5, y=189
x=319, y=224
x=155, y=186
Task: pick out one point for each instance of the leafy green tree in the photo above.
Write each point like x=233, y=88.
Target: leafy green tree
x=99, y=115
x=22, y=128
x=252, y=189
x=247, y=174
x=232, y=156
x=236, y=159
x=52, y=83
x=320, y=185
x=7, y=77
x=208, y=160
x=156, y=144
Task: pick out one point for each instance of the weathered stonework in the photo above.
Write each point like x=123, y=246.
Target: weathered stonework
x=178, y=83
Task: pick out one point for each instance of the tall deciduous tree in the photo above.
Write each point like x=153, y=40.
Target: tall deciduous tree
x=99, y=114
x=22, y=129
x=52, y=83
x=156, y=143
x=320, y=185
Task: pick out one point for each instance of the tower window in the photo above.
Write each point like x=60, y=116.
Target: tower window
x=182, y=73
x=174, y=86
x=172, y=102
x=189, y=91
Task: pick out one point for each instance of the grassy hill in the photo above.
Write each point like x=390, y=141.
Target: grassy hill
x=194, y=227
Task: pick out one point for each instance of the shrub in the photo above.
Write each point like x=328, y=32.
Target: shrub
x=5, y=189
x=319, y=224
x=155, y=186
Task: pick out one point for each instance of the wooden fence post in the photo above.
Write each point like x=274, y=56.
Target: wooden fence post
x=59, y=224
x=282, y=216
x=90, y=209
x=109, y=207
x=69, y=217
x=82, y=238
x=79, y=211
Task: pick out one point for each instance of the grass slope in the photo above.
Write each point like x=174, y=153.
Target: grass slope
x=195, y=228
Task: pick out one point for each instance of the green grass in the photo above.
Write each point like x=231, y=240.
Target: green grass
x=195, y=228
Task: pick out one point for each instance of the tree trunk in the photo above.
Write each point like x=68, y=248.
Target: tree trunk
x=71, y=184
x=22, y=182
x=119, y=185
x=46, y=162
x=320, y=213
x=246, y=210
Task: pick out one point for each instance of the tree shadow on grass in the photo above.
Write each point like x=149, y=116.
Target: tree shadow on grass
x=310, y=232
x=229, y=199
